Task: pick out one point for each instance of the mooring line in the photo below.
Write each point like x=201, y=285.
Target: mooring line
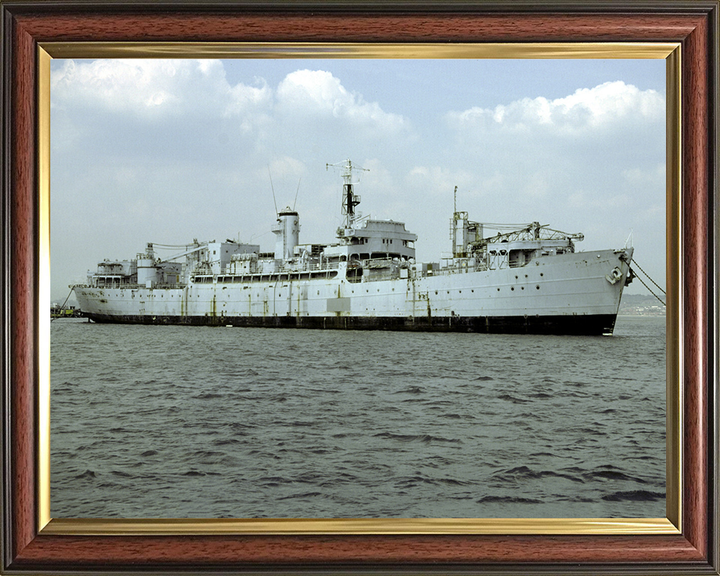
x=650, y=290
x=648, y=276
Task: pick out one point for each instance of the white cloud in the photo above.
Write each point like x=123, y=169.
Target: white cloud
x=611, y=103
x=287, y=167
x=590, y=201
x=652, y=176
x=539, y=184
x=154, y=88
x=442, y=181
x=174, y=90
x=319, y=93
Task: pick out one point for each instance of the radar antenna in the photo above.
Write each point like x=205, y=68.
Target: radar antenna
x=349, y=198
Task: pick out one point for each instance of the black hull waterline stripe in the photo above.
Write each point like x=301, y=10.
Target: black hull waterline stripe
x=571, y=324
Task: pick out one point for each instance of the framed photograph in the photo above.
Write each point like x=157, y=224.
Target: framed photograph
x=111, y=509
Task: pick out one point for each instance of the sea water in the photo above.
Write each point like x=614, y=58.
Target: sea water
x=199, y=422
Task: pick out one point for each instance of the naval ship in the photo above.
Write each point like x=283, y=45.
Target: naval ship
x=525, y=280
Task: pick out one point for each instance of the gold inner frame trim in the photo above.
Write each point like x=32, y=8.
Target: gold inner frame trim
x=674, y=313
x=558, y=50
x=541, y=526
x=43, y=320
x=325, y=526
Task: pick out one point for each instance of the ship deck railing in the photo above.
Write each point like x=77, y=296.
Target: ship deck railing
x=287, y=276
x=130, y=285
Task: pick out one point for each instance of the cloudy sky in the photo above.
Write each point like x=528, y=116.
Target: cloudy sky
x=170, y=150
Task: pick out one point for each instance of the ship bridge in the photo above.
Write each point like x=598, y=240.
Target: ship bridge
x=375, y=239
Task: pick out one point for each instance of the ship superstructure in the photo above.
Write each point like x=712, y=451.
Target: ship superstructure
x=528, y=279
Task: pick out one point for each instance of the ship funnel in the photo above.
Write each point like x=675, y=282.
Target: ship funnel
x=287, y=231
x=147, y=273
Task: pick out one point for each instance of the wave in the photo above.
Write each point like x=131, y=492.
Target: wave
x=226, y=441
x=513, y=399
x=412, y=481
x=240, y=425
x=612, y=475
x=425, y=438
x=86, y=474
x=411, y=390
x=525, y=473
x=273, y=481
x=507, y=500
x=121, y=474
x=634, y=496
x=208, y=396
x=347, y=435
x=303, y=495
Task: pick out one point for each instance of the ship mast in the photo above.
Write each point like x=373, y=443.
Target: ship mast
x=349, y=198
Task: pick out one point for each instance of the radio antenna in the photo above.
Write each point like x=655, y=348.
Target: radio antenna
x=273, y=191
x=296, y=194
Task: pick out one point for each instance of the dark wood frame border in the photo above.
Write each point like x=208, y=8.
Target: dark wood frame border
x=692, y=23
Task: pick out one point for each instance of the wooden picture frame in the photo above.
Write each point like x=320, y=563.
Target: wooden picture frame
x=31, y=545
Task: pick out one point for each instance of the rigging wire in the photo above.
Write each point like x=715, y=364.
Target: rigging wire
x=186, y=245
x=296, y=193
x=273, y=191
x=496, y=226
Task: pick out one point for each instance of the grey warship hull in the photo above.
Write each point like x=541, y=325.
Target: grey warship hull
x=529, y=280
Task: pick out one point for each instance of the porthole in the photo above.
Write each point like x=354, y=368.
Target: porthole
x=512, y=288
x=537, y=287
